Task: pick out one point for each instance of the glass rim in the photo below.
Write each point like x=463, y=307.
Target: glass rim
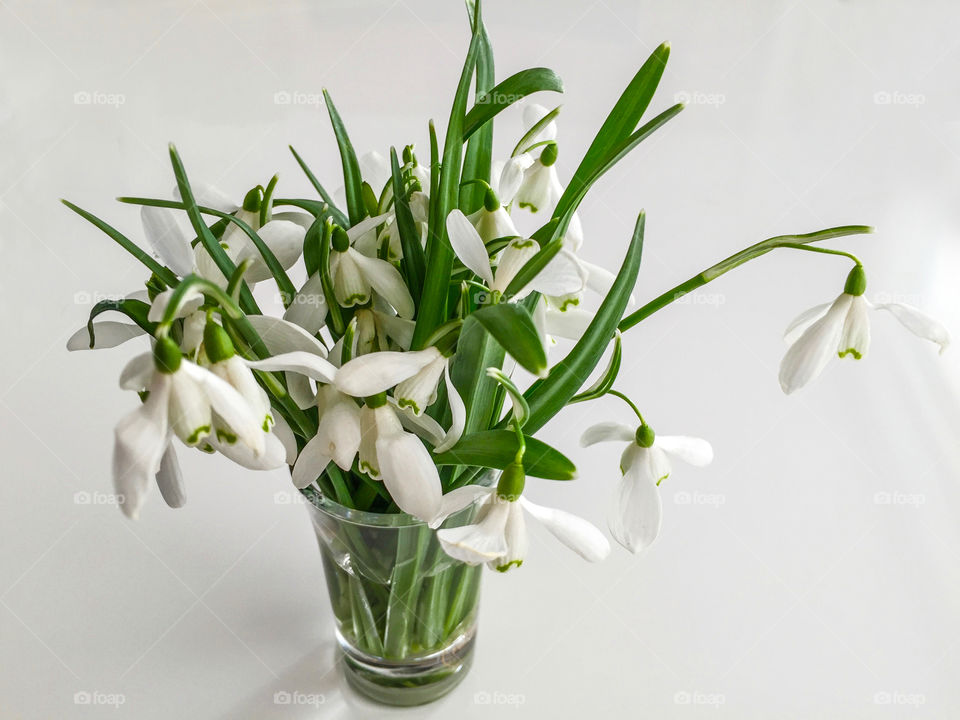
x=318, y=501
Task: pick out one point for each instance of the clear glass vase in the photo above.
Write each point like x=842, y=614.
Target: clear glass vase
x=406, y=612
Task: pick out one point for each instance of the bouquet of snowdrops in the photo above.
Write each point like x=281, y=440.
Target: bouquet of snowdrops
x=387, y=384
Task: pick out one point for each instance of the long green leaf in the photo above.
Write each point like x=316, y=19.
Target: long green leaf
x=532, y=267
x=498, y=448
x=161, y=271
x=352, y=180
x=546, y=397
x=339, y=217
x=620, y=123
x=511, y=326
x=136, y=310
x=476, y=351
x=478, y=158
x=433, y=304
x=506, y=93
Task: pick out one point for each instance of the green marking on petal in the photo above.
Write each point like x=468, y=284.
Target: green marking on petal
x=512, y=563
x=195, y=436
x=406, y=402
x=207, y=448
x=369, y=470
x=356, y=299
x=569, y=302
x=529, y=206
x=226, y=436
x=857, y=355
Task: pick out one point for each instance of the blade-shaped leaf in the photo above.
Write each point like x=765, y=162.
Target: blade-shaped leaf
x=546, y=397
x=339, y=217
x=413, y=262
x=478, y=158
x=136, y=310
x=512, y=327
x=476, y=351
x=514, y=88
x=352, y=180
x=498, y=448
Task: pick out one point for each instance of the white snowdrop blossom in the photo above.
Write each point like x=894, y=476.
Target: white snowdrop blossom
x=842, y=327
x=637, y=510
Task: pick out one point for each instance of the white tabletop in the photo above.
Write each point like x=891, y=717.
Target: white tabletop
x=811, y=571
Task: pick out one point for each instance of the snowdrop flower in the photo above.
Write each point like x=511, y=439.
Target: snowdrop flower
x=637, y=512
x=499, y=535
x=563, y=274
x=415, y=376
x=400, y=459
x=181, y=399
x=842, y=327
x=492, y=221
x=541, y=188
x=356, y=277
x=337, y=439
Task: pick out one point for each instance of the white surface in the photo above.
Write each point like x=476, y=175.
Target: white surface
x=783, y=589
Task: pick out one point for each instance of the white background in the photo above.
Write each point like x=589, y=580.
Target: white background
x=786, y=587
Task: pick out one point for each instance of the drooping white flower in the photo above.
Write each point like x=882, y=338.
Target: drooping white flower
x=415, y=375
x=541, y=188
x=400, y=459
x=492, y=220
x=842, y=327
x=498, y=537
x=637, y=511
x=337, y=439
x=181, y=399
x=563, y=274
x=356, y=277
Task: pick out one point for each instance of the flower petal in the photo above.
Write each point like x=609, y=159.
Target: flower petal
x=802, y=321
x=284, y=238
x=376, y=372
x=637, y=512
x=303, y=363
x=514, y=256
x=855, y=338
x=308, y=309
x=208, y=196
x=311, y=463
x=481, y=542
x=511, y=176
x=137, y=373
x=229, y=405
x=339, y=427
x=106, y=334
x=190, y=416
x=807, y=357
x=281, y=336
x=563, y=275
x=409, y=474
x=166, y=238
x=140, y=439
x=689, y=449
x=192, y=299
x=574, y=532
x=458, y=499
x=386, y=281
x=422, y=425
x=571, y=323
x=607, y=432
x=274, y=453
x=458, y=412
x=515, y=535
x=468, y=246
x=283, y=432
x=170, y=479
x=919, y=323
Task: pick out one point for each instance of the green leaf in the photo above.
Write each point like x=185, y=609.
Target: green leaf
x=339, y=217
x=605, y=381
x=476, y=351
x=433, y=306
x=620, y=123
x=210, y=243
x=546, y=397
x=498, y=448
x=319, y=236
x=521, y=146
x=136, y=310
x=352, y=180
x=512, y=327
x=413, y=262
x=514, y=88
x=164, y=273
x=532, y=267
x=478, y=158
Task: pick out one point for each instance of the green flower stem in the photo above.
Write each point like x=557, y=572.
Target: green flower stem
x=404, y=586
x=754, y=251
x=628, y=401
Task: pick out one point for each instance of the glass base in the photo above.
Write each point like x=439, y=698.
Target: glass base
x=412, y=681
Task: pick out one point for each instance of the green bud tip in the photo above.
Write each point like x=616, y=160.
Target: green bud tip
x=512, y=480
x=217, y=343
x=370, y=201
x=251, y=201
x=645, y=436
x=408, y=156
x=491, y=203
x=340, y=239
x=856, y=281
x=549, y=155
x=167, y=356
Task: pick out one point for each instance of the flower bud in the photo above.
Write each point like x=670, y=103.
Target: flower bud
x=856, y=281
x=512, y=479
x=216, y=343
x=166, y=355
x=645, y=436
x=340, y=239
x=549, y=155
x=369, y=197
x=251, y=201
x=491, y=203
